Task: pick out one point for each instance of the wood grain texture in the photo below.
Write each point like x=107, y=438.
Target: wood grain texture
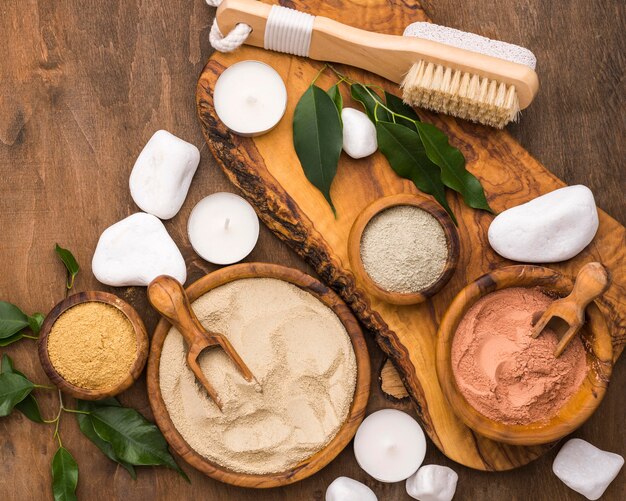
x=141, y=337
x=84, y=85
x=266, y=170
x=596, y=340
x=356, y=413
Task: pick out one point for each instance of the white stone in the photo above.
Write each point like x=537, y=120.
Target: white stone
x=346, y=489
x=359, y=133
x=585, y=468
x=551, y=228
x=432, y=483
x=160, y=179
x=136, y=250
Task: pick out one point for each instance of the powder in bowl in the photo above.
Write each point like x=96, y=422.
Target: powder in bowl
x=92, y=345
x=299, y=352
x=502, y=371
x=404, y=249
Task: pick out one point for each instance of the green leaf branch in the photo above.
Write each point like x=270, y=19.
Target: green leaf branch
x=416, y=150
x=14, y=323
x=122, y=434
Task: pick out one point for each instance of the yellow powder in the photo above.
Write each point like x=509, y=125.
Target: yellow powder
x=92, y=345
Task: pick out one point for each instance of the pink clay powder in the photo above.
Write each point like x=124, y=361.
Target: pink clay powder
x=505, y=374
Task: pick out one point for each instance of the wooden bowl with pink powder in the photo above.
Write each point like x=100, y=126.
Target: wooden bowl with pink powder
x=505, y=385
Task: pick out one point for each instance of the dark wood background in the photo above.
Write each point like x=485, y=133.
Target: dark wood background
x=84, y=84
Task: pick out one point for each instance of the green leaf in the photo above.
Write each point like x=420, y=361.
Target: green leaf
x=70, y=263
x=335, y=95
x=403, y=149
x=64, y=476
x=318, y=138
x=35, y=321
x=133, y=439
x=395, y=104
x=368, y=98
x=29, y=406
x=10, y=340
x=13, y=389
x=85, y=423
x=452, y=163
x=12, y=320
x=6, y=364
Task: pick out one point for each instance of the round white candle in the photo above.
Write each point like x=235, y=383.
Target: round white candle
x=250, y=98
x=223, y=228
x=389, y=445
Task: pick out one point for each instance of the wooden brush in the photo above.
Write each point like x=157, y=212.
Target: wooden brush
x=469, y=76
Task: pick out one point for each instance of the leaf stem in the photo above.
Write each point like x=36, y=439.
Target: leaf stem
x=30, y=337
x=76, y=411
x=44, y=387
x=378, y=102
x=319, y=73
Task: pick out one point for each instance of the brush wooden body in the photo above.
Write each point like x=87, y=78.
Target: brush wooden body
x=392, y=57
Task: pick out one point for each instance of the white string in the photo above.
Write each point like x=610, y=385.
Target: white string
x=287, y=30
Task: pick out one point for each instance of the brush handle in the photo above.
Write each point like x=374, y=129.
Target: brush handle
x=389, y=56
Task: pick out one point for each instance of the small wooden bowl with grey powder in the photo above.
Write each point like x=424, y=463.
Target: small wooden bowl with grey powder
x=307, y=352
x=403, y=248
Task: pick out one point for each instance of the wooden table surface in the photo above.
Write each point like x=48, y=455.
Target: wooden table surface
x=83, y=86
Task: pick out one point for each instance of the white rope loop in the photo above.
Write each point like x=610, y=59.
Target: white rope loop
x=231, y=41
x=289, y=31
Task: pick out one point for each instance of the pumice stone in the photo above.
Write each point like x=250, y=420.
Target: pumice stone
x=160, y=179
x=135, y=251
x=551, y=228
x=359, y=133
x=346, y=489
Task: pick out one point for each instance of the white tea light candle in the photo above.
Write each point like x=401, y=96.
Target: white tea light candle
x=250, y=98
x=389, y=445
x=223, y=228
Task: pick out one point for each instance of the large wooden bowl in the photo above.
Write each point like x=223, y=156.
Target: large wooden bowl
x=596, y=340
x=140, y=335
x=357, y=408
x=382, y=204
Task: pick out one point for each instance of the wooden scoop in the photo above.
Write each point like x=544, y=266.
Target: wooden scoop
x=592, y=281
x=167, y=296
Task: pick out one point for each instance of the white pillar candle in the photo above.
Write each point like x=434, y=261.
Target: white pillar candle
x=389, y=445
x=250, y=98
x=223, y=228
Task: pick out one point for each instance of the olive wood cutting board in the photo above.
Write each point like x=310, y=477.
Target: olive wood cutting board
x=267, y=171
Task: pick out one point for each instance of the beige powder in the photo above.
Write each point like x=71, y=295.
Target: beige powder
x=300, y=353
x=404, y=249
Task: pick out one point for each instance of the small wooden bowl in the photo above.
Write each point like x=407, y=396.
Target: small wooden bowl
x=354, y=247
x=361, y=392
x=596, y=340
x=140, y=334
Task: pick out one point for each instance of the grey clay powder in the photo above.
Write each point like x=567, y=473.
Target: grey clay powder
x=404, y=249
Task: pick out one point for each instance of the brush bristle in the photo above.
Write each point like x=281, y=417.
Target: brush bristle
x=464, y=95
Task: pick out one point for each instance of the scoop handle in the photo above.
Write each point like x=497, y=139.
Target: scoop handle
x=591, y=282
x=167, y=296
x=390, y=56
